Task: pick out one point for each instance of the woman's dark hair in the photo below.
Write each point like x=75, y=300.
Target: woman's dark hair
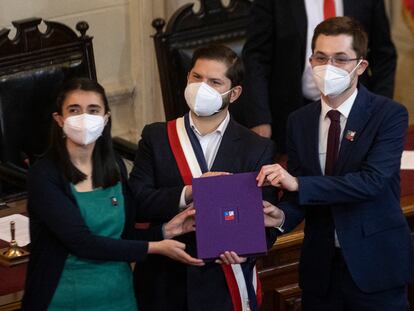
x=105, y=171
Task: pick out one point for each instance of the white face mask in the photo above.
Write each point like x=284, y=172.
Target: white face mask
x=331, y=80
x=203, y=100
x=84, y=129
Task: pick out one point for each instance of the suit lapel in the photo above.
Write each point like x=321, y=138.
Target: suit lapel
x=228, y=149
x=356, y=122
x=312, y=138
x=305, y=135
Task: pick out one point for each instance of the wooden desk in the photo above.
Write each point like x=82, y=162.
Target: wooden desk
x=17, y=207
x=11, y=301
x=12, y=278
x=278, y=270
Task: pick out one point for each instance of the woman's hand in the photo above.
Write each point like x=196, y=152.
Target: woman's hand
x=182, y=223
x=230, y=258
x=273, y=216
x=174, y=250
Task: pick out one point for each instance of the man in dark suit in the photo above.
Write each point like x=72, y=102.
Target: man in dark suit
x=278, y=77
x=220, y=145
x=345, y=150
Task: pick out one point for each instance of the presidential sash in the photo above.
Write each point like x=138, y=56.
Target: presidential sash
x=242, y=281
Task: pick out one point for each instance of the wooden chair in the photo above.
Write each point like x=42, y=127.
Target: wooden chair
x=186, y=31
x=32, y=67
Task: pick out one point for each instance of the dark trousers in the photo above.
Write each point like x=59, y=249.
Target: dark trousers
x=344, y=295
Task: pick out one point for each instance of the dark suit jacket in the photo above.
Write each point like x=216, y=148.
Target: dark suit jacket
x=163, y=284
x=362, y=200
x=274, y=56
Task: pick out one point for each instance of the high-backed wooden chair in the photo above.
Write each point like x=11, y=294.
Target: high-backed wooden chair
x=188, y=30
x=32, y=67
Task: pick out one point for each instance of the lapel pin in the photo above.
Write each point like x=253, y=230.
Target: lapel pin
x=114, y=201
x=350, y=135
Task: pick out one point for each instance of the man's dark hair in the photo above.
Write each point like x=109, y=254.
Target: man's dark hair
x=105, y=171
x=222, y=53
x=344, y=25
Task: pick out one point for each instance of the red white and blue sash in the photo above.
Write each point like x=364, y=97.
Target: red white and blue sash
x=242, y=281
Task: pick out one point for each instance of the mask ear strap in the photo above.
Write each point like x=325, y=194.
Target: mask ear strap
x=357, y=65
x=225, y=93
x=223, y=105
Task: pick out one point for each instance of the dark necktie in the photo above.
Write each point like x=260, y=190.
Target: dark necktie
x=333, y=141
x=329, y=9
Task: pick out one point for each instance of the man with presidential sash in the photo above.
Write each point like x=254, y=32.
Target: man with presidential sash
x=204, y=142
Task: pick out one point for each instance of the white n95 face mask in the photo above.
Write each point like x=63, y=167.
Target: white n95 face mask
x=203, y=100
x=331, y=80
x=84, y=129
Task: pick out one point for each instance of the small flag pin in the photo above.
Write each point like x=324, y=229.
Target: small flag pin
x=350, y=135
x=114, y=201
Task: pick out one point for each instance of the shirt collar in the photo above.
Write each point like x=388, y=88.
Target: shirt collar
x=220, y=129
x=344, y=108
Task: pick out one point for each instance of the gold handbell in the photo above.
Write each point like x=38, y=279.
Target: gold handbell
x=13, y=254
x=13, y=251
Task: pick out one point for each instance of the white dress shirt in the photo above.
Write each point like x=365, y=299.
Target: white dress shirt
x=314, y=13
x=210, y=144
x=324, y=123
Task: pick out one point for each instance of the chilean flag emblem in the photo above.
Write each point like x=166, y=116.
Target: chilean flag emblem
x=229, y=215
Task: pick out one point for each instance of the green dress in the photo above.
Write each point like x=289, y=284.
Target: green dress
x=91, y=284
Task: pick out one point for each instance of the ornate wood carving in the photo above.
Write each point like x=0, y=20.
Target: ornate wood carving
x=35, y=49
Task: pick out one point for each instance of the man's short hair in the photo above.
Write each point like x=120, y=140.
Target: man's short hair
x=224, y=54
x=344, y=25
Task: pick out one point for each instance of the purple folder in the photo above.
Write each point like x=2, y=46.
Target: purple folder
x=229, y=215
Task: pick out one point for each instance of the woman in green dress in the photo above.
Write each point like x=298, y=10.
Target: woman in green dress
x=81, y=215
